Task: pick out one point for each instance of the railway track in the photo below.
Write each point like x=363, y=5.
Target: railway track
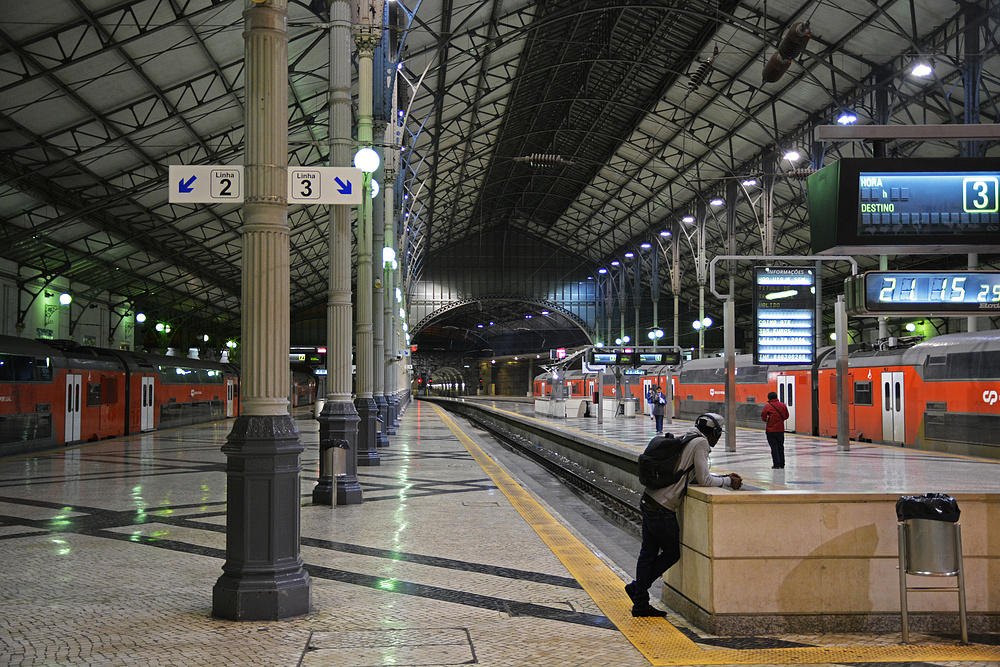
x=618, y=503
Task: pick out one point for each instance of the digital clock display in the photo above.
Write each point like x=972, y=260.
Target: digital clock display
x=928, y=292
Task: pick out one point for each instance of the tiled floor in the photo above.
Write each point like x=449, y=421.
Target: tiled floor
x=110, y=552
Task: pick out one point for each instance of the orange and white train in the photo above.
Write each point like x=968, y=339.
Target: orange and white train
x=941, y=394
x=56, y=393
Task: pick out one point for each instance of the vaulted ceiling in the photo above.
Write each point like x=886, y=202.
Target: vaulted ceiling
x=588, y=126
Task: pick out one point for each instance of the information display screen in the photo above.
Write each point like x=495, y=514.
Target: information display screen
x=603, y=358
x=905, y=205
x=930, y=292
x=915, y=203
x=635, y=357
x=660, y=358
x=785, y=313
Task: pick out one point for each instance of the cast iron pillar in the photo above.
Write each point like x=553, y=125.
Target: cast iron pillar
x=263, y=578
x=389, y=273
x=378, y=303
x=367, y=18
x=338, y=423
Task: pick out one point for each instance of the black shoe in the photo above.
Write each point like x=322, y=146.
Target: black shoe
x=775, y=467
x=647, y=611
x=630, y=591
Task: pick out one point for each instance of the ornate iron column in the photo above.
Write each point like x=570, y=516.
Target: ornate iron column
x=378, y=303
x=338, y=423
x=389, y=303
x=263, y=578
x=367, y=18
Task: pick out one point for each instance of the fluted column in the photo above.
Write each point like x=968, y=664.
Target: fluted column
x=338, y=423
x=367, y=32
x=378, y=302
x=263, y=577
x=389, y=302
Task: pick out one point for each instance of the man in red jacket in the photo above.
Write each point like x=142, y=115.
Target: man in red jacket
x=774, y=415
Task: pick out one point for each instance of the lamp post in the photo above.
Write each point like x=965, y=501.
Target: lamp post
x=605, y=298
x=367, y=26
x=367, y=160
x=378, y=306
x=389, y=266
x=610, y=292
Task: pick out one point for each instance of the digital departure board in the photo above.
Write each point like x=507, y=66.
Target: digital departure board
x=905, y=205
x=660, y=358
x=924, y=292
x=598, y=358
x=785, y=313
x=641, y=356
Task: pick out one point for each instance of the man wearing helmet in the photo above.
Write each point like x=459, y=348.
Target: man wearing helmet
x=661, y=535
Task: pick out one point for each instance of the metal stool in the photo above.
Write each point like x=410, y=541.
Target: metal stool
x=932, y=549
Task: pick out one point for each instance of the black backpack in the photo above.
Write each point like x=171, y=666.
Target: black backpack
x=657, y=463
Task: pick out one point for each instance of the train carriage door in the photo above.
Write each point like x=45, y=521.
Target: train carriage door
x=786, y=394
x=146, y=416
x=230, y=397
x=893, y=426
x=74, y=385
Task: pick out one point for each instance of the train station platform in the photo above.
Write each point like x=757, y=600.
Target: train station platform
x=461, y=553
x=813, y=463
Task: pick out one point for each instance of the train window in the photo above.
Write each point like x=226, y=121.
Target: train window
x=862, y=393
x=751, y=375
x=703, y=376
x=989, y=365
x=963, y=365
x=16, y=368
x=187, y=375
x=93, y=394
x=936, y=368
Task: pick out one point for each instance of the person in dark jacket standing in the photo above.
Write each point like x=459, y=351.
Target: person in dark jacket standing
x=661, y=534
x=774, y=415
x=659, y=401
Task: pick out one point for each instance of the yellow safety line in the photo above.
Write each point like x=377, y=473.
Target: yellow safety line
x=656, y=638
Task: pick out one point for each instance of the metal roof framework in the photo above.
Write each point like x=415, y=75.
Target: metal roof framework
x=641, y=110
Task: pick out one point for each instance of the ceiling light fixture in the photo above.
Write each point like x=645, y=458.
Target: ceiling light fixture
x=921, y=69
x=847, y=117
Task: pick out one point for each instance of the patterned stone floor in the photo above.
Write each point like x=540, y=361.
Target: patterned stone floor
x=110, y=552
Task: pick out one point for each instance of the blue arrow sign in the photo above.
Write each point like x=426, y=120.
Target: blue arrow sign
x=185, y=186
x=324, y=185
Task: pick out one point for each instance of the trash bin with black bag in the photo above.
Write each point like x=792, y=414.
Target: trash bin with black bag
x=930, y=545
